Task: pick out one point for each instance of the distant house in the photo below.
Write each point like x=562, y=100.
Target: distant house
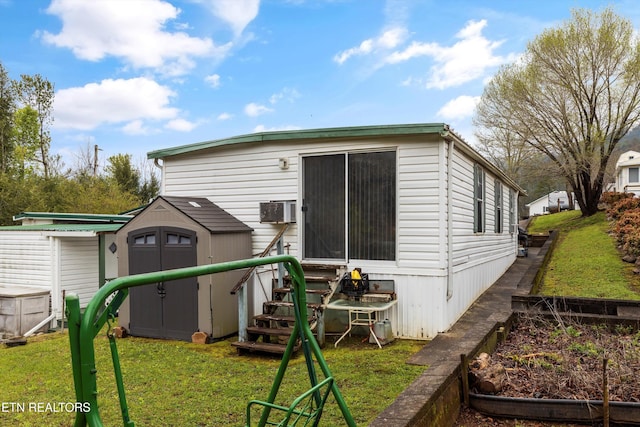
x=411, y=203
x=628, y=173
x=60, y=252
x=553, y=202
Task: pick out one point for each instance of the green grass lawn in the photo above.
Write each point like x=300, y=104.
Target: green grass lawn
x=171, y=383
x=585, y=261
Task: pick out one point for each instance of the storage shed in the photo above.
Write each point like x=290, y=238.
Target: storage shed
x=59, y=253
x=174, y=232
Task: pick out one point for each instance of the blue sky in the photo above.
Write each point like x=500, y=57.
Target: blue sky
x=138, y=75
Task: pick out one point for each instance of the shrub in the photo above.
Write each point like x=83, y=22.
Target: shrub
x=618, y=208
x=631, y=242
x=611, y=197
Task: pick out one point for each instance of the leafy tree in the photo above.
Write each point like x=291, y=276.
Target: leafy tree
x=149, y=189
x=123, y=173
x=97, y=195
x=38, y=93
x=7, y=104
x=574, y=94
x=26, y=140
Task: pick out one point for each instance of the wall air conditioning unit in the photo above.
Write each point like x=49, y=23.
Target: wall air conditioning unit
x=278, y=212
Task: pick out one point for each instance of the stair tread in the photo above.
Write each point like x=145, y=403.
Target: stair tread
x=290, y=304
x=261, y=346
x=278, y=318
x=311, y=266
x=315, y=278
x=309, y=291
x=257, y=330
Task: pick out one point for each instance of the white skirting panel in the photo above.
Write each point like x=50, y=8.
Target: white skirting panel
x=470, y=283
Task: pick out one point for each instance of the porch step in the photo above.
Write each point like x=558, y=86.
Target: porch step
x=288, y=304
x=321, y=292
x=277, y=320
x=262, y=347
x=265, y=317
x=257, y=330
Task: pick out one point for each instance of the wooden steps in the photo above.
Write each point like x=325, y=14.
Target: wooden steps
x=262, y=347
x=269, y=332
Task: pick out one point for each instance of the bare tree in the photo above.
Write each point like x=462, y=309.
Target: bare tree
x=573, y=95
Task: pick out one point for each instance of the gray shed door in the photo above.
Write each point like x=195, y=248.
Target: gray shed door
x=165, y=309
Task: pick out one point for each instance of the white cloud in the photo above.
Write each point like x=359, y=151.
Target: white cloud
x=389, y=39
x=454, y=65
x=135, y=34
x=287, y=94
x=136, y=127
x=225, y=116
x=213, y=80
x=237, y=13
x=254, y=110
x=263, y=128
x=112, y=101
x=180, y=125
x=459, y=108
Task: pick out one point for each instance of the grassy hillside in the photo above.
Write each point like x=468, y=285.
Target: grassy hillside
x=586, y=261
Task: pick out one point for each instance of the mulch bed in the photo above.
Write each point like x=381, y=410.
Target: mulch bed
x=560, y=359
x=563, y=359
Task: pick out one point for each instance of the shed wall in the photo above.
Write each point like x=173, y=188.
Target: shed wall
x=25, y=259
x=217, y=308
x=77, y=269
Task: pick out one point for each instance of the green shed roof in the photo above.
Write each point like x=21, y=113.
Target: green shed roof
x=326, y=133
x=73, y=217
x=92, y=228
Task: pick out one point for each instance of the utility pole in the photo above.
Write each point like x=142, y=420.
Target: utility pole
x=95, y=159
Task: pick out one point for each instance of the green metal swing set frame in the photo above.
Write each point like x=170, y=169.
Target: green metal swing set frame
x=83, y=328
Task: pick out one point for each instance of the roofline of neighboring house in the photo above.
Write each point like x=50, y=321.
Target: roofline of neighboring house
x=79, y=230
x=76, y=217
x=440, y=129
x=546, y=196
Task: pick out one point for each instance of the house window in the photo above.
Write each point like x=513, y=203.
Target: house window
x=498, y=212
x=349, y=206
x=512, y=211
x=479, y=195
x=633, y=175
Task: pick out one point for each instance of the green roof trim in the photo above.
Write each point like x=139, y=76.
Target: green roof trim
x=94, y=228
x=326, y=133
x=77, y=217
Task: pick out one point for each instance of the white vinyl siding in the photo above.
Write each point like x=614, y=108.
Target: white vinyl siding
x=238, y=177
x=30, y=258
x=479, y=259
x=78, y=269
x=25, y=259
x=238, y=180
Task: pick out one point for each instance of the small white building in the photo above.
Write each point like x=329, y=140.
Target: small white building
x=60, y=252
x=410, y=203
x=628, y=173
x=555, y=201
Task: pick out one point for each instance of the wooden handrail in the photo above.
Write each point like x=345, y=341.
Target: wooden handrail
x=263, y=254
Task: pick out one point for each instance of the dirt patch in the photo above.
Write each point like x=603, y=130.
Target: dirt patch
x=563, y=359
